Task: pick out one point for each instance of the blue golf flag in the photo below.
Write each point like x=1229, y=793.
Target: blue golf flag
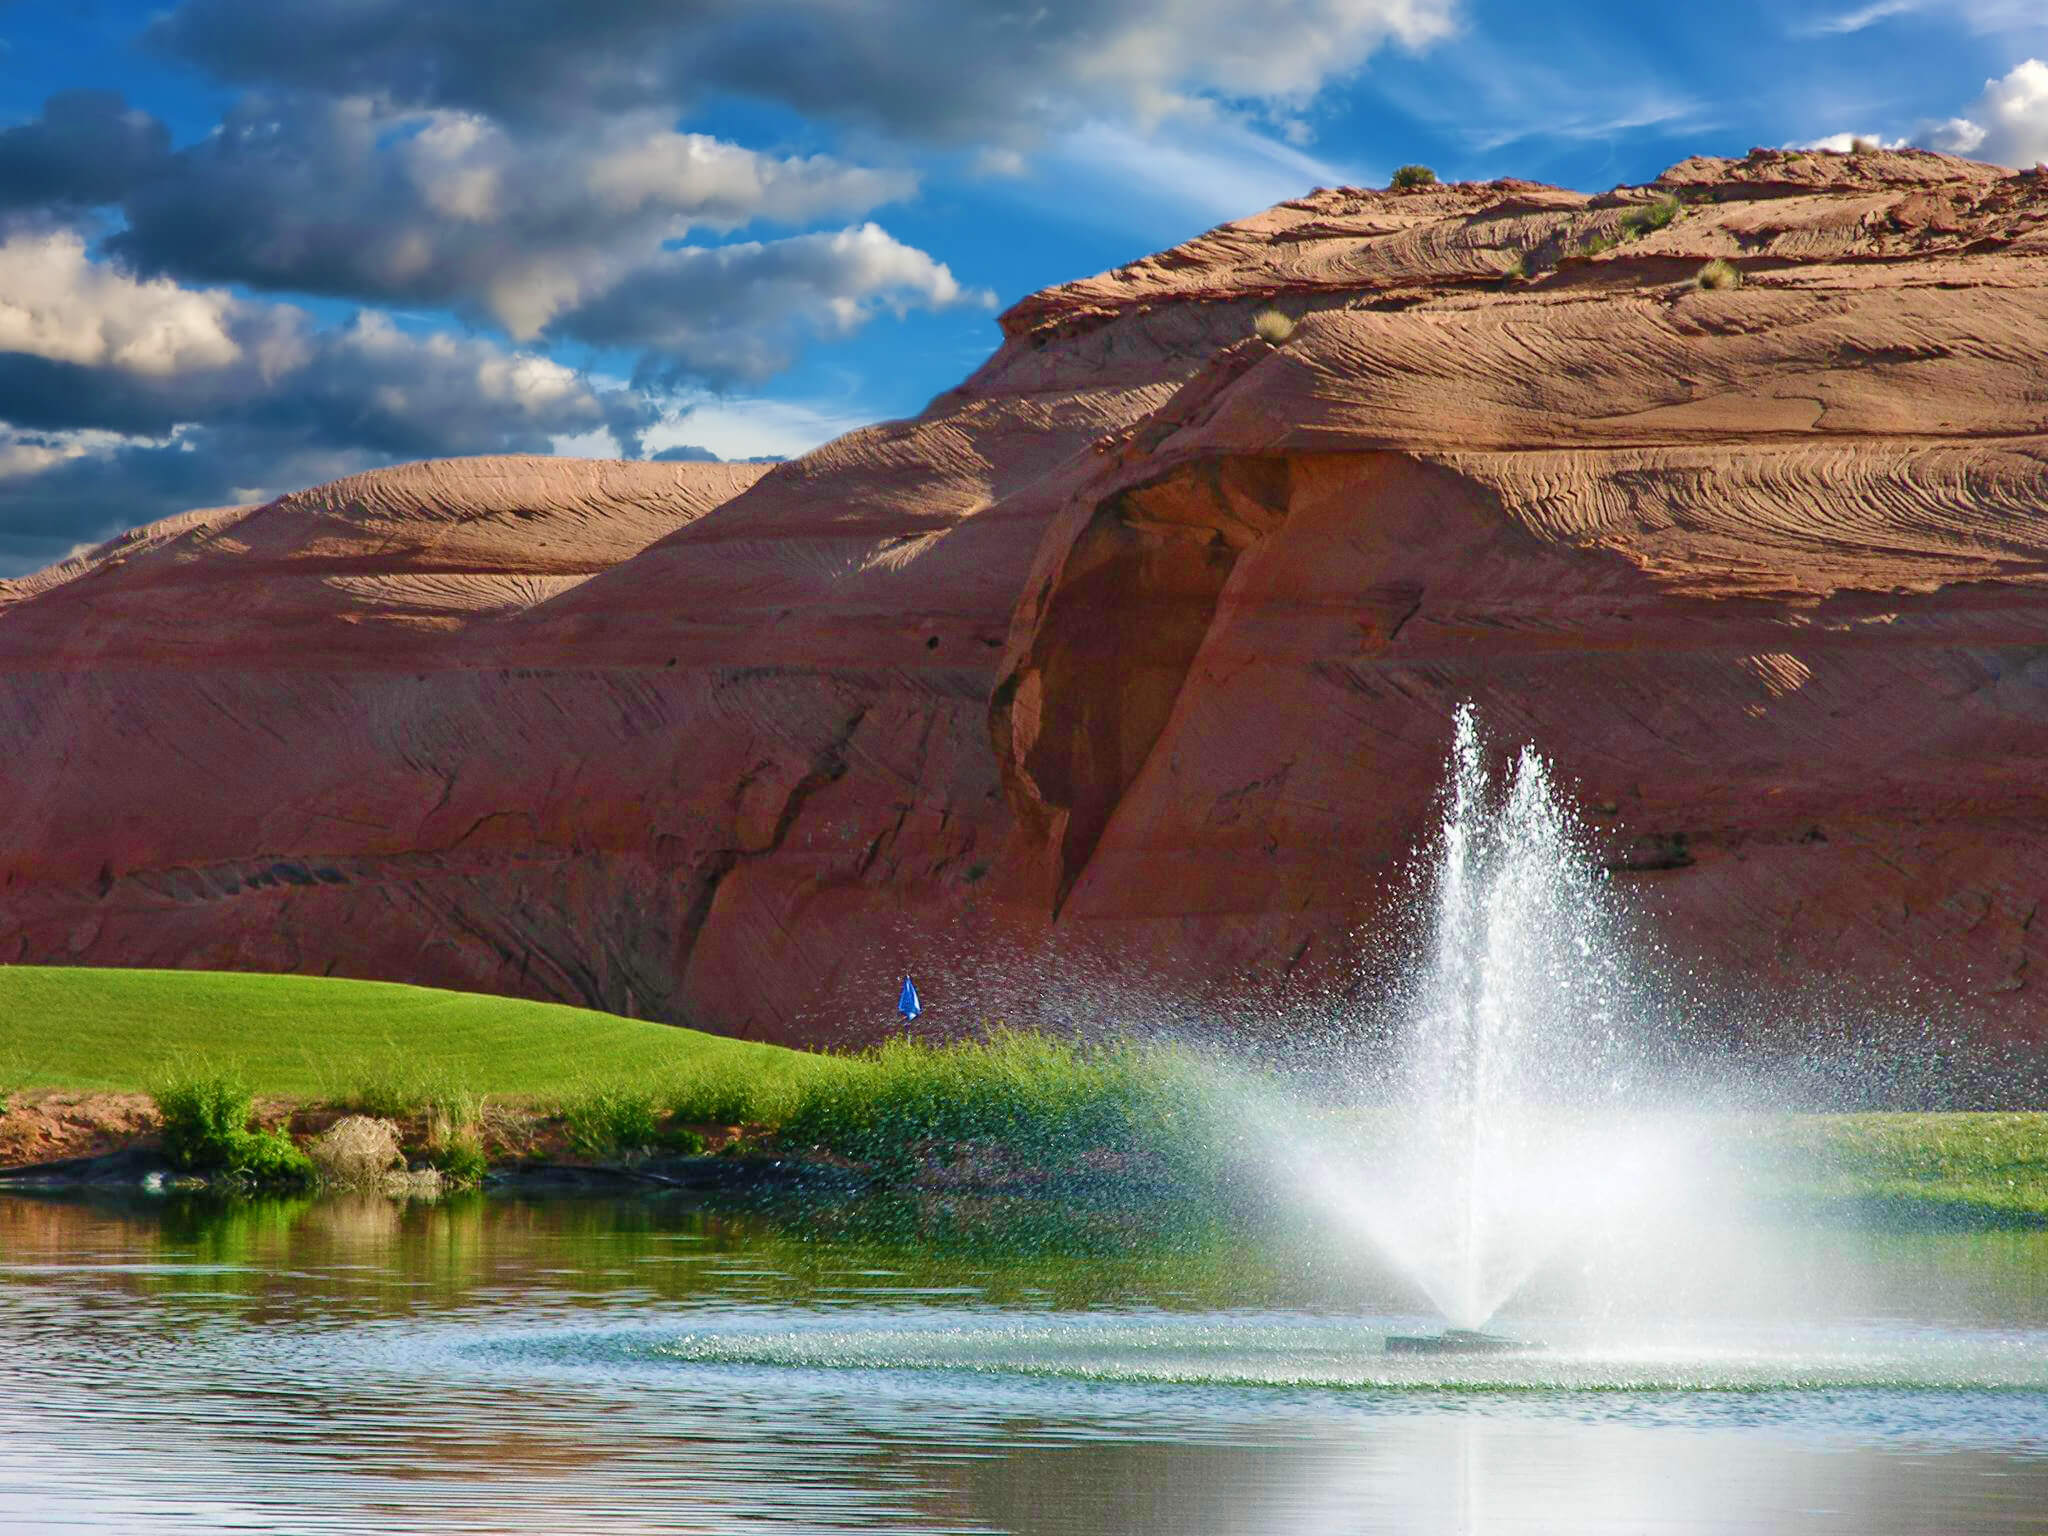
x=907, y=1004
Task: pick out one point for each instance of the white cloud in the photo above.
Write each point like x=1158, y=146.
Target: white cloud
x=1218, y=168
x=23, y=454
x=437, y=206
x=58, y=304
x=740, y=427
x=2008, y=124
x=122, y=401
x=1842, y=143
x=1991, y=17
x=1152, y=57
x=1856, y=20
x=1489, y=92
x=738, y=312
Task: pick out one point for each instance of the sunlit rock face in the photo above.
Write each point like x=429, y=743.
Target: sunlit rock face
x=1144, y=642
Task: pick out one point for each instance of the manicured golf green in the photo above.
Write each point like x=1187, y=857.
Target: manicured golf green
x=312, y=1037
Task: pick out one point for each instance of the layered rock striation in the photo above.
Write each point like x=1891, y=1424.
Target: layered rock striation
x=1140, y=647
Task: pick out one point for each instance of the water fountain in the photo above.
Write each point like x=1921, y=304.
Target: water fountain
x=1526, y=1031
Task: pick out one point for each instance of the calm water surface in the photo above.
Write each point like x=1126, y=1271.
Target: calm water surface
x=629, y=1366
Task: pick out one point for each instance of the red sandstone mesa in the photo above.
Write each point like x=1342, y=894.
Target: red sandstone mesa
x=1141, y=643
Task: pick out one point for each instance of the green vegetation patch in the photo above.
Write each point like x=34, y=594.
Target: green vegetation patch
x=206, y=1116
x=1986, y=1166
x=1647, y=218
x=377, y=1046
x=1042, y=1101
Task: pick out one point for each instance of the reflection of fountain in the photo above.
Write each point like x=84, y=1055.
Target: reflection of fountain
x=1517, y=1049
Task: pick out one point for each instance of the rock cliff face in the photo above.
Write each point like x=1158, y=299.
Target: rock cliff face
x=1141, y=645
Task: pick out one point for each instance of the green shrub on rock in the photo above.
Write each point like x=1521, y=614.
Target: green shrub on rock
x=1411, y=176
x=1645, y=218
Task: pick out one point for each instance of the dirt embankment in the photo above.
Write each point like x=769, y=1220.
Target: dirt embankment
x=55, y=1127
x=47, y=1127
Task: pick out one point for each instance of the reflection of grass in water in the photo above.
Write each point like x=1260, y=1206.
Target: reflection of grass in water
x=278, y=1254
x=286, y=1259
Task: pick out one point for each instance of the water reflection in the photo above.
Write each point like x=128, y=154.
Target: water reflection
x=569, y=1365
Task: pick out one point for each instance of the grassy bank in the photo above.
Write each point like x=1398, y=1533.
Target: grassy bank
x=1989, y=1167
x=570, y=1082
x=318, y=1038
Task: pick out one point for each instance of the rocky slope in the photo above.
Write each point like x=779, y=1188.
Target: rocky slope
x=1139, y=648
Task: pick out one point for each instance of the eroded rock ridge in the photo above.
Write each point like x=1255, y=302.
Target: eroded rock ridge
x=1141, y=645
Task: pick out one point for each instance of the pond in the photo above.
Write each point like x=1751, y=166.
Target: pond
x=629, y=1365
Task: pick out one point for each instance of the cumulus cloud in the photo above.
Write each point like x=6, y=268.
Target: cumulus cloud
x=122, y=400
x=520, y=164
x=57, y=305
x=2008, y=125
x=932, y=70
x=442, y=207
x=736, y=313
x=572, y=234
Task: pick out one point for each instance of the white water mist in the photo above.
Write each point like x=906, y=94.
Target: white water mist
x=1519, y=1044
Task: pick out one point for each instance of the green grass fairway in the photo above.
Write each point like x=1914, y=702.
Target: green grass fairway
x=314, y=1038
x=1987, y=1166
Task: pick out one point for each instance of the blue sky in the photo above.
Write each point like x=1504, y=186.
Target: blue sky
x=246, y=245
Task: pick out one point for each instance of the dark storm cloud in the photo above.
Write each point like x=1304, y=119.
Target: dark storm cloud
x=88, y=148
x=945, y=71
x=41, y=394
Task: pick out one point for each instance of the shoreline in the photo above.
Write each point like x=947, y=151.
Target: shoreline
x=111, y=1145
